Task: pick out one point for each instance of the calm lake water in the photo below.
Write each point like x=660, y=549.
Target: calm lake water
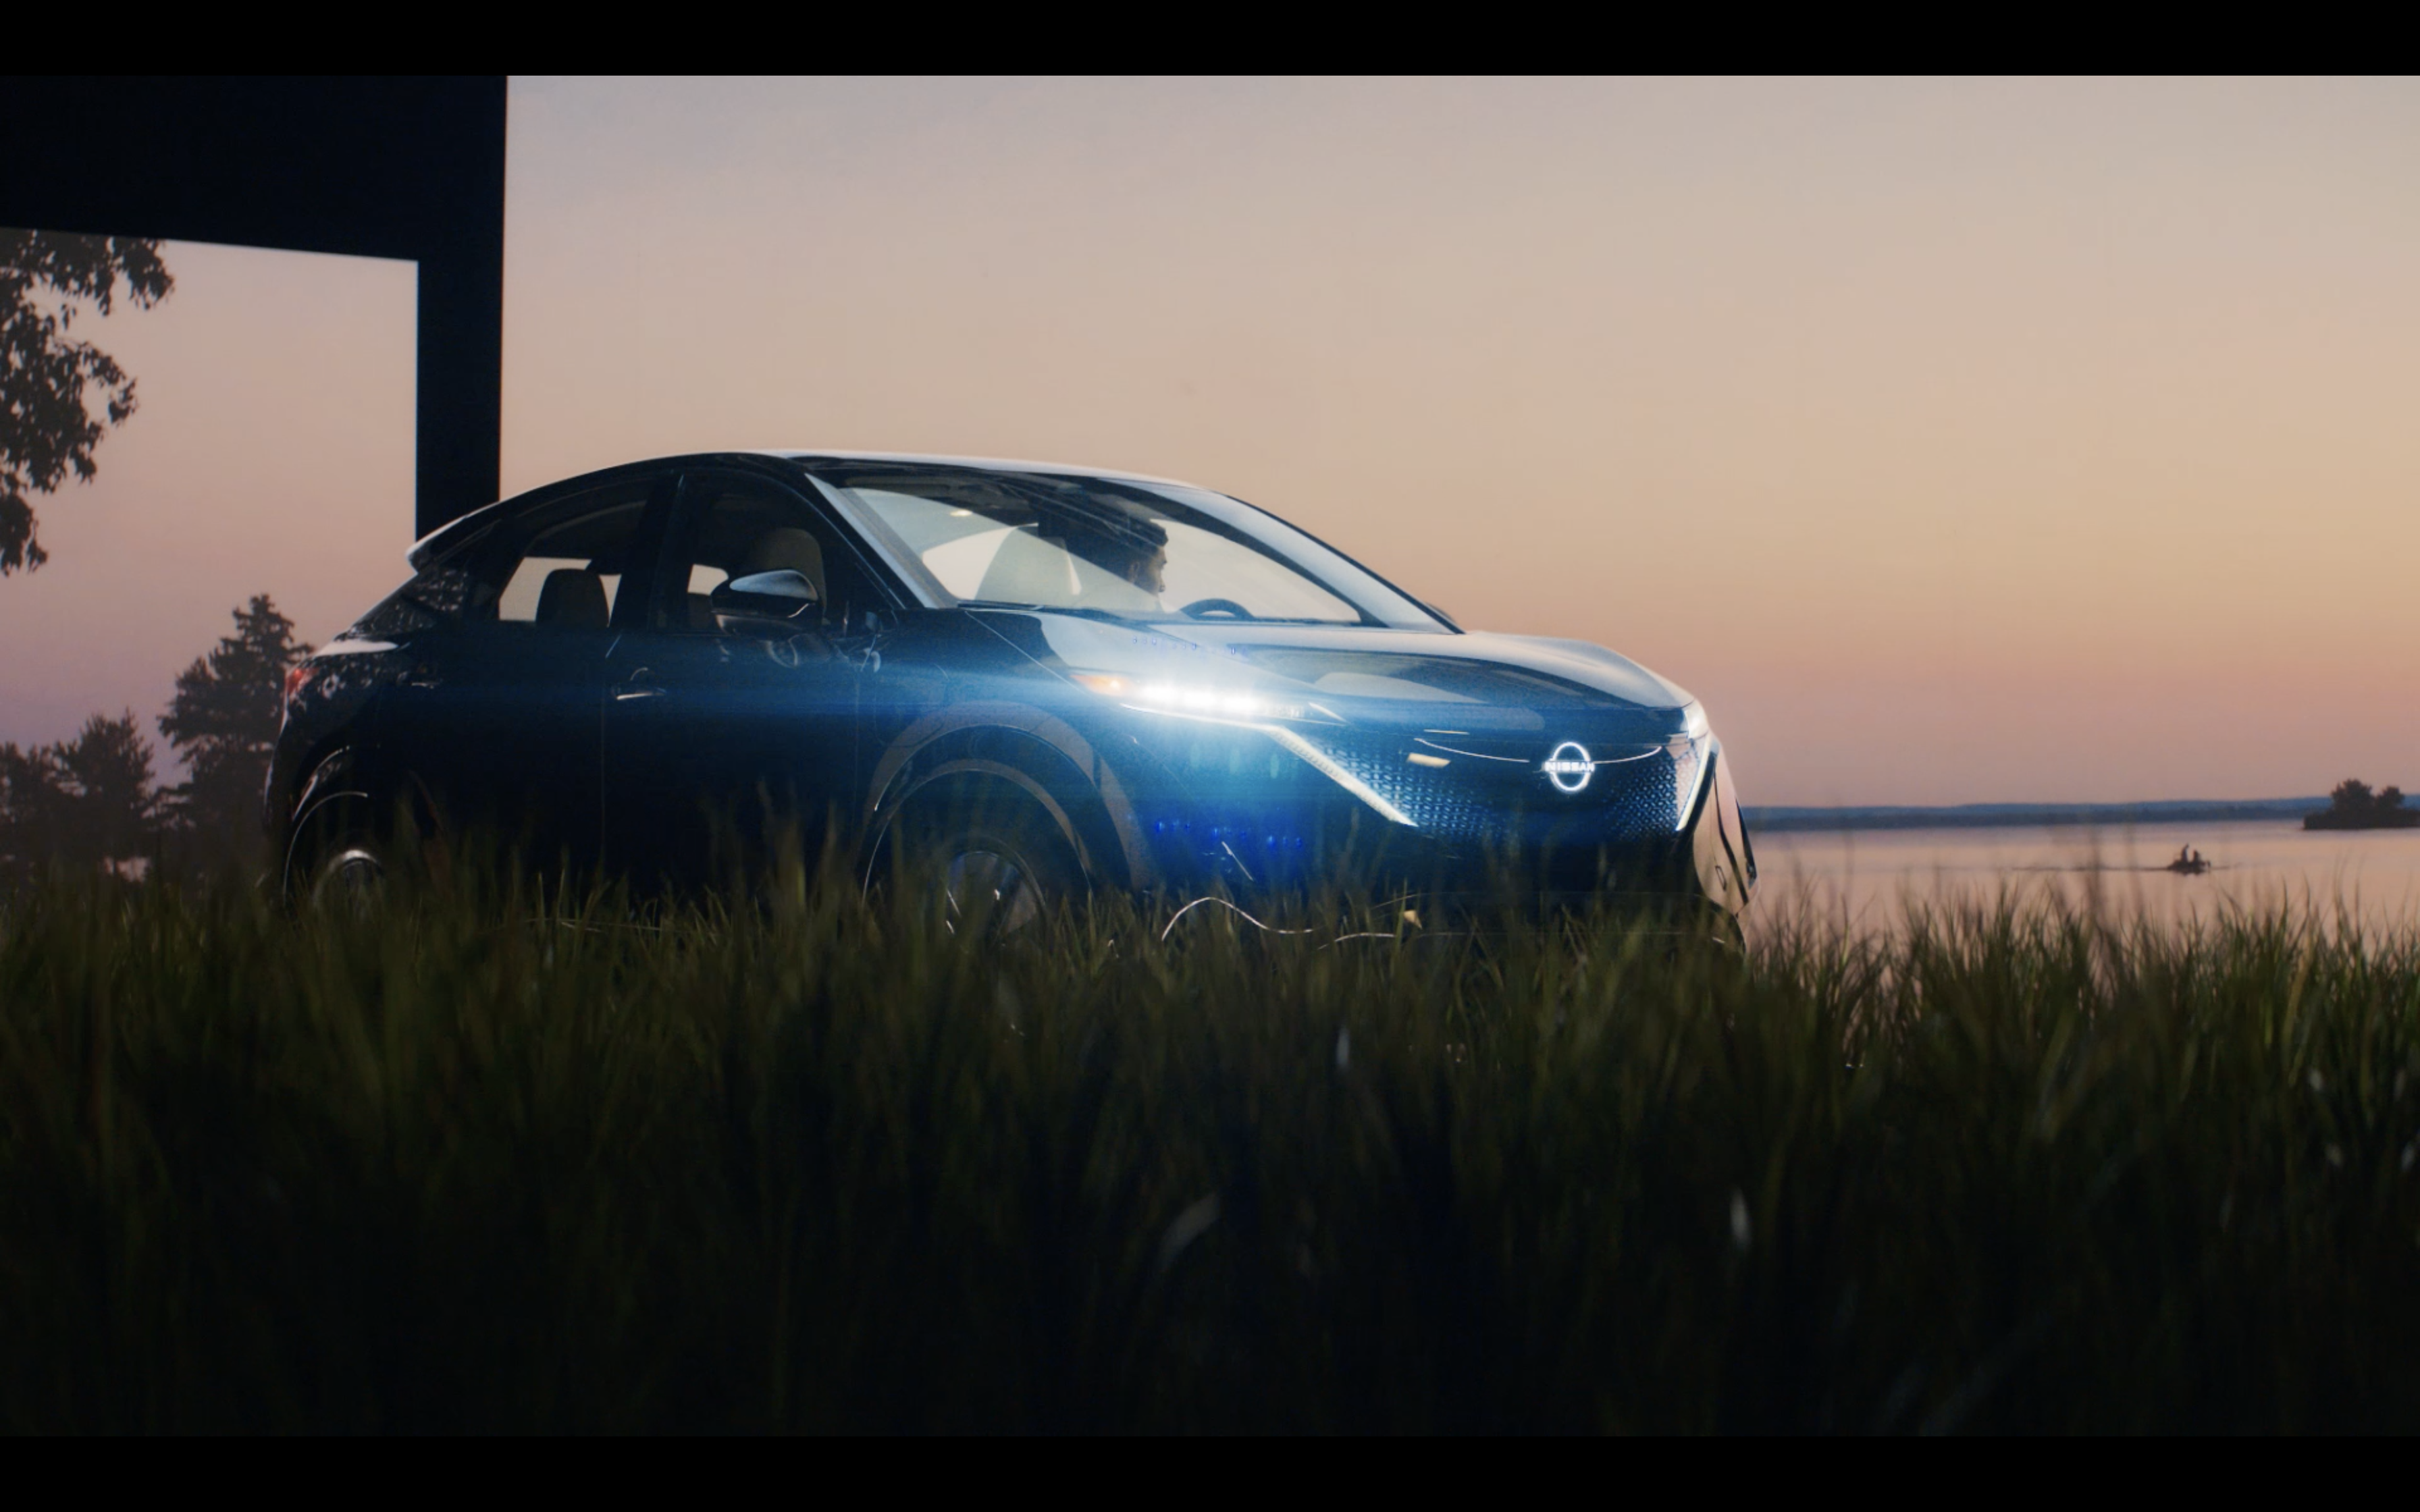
x=1866, y=878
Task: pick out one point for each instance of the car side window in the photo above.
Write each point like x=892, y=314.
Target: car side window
x=436, y=595
x=749, y=555
x=569, y=574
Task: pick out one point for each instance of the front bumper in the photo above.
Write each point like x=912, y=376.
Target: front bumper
x=1469, y=815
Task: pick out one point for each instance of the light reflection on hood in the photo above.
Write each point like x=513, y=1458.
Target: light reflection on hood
x=1360, y=664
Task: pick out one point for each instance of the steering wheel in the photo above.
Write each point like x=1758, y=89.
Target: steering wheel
x=1228, y=606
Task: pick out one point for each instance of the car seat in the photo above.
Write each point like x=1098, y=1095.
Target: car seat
x=1030, y=569
x=573, y=599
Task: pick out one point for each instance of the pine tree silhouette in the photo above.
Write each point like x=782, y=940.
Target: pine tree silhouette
x=223, y=722
x=79, y=804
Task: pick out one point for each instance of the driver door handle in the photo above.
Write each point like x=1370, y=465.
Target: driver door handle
x=633, y=688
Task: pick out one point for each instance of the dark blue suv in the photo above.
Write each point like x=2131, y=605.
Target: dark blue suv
x=1051, y=678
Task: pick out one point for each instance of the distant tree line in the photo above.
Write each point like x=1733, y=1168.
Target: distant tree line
x=93, y=803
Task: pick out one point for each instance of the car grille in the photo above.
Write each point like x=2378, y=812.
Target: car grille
x=1489, y=802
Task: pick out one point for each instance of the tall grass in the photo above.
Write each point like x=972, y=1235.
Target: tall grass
x=804, y=1162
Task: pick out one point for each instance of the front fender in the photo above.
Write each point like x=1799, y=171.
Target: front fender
x=1035, y=749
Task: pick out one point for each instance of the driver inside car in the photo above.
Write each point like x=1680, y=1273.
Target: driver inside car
x=1136, y=554
x=1146, y=570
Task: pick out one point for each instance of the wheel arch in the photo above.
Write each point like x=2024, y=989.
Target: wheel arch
x=345, y=787
x=1031, y=749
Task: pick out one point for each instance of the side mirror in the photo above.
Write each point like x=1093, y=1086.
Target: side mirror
x=782, y=595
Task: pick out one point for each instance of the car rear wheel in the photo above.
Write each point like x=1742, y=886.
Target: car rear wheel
x=337, y=862
x=351, y=879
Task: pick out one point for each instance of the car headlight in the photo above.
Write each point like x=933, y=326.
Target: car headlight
x=1689, y=750
x=1246, y=710
x=1202, y=701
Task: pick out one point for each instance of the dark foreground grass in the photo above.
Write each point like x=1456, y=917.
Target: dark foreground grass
x=806, y=1165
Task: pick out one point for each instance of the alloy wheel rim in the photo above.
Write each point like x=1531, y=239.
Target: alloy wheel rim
x=352, y=876
x=991, y=884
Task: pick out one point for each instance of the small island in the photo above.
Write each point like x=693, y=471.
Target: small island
x=2352, y=806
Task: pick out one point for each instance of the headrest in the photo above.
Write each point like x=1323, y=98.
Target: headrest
x=1127, y=528
x=1030, y=569
x=573, y=597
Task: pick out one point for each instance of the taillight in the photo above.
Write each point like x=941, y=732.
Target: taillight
x=296, y=679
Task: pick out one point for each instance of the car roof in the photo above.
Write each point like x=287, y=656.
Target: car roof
x=459, y=528
x=986, y=464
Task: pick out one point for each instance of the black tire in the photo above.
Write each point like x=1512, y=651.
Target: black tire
x=994, y=857
x=337, y=862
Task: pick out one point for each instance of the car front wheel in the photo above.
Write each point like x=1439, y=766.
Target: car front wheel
x=998, y=856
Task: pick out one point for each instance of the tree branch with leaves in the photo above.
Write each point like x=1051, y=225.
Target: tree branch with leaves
x=48, y=378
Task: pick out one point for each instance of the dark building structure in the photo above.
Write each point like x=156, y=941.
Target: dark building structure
x=408, y=168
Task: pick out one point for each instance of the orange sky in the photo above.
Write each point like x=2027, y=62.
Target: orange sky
x=1953, y=440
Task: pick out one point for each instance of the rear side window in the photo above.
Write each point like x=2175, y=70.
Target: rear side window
x=433, y=597
x=569, y=574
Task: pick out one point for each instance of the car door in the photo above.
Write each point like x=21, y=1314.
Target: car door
x=731, y=712
x=500, y=722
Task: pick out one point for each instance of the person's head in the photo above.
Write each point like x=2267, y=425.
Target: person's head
x=1134, y=549
x=1147, y=569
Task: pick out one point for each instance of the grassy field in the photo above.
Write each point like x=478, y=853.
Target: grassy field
x=810, y=1164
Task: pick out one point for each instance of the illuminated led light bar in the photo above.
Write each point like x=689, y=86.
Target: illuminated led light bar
x=1245, y=711
x=1196, y=698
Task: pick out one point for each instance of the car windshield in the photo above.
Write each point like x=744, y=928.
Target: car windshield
x=1113, y=547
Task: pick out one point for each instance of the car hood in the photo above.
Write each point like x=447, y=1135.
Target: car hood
x=1364, y=675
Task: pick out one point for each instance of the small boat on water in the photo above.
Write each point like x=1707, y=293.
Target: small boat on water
x=2189, y=862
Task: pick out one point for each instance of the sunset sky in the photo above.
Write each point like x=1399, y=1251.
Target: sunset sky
x=1954, y=440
